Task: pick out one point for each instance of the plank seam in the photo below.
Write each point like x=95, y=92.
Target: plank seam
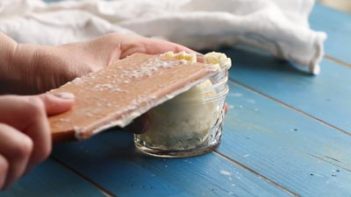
x=336, y=60
x=331, y=163
x=268, y=180
x=104, y=191
x=289, y=106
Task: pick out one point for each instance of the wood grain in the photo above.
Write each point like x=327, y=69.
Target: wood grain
x=51, y=179
x=109, y=159
x=287, y=136
x=326, y=97
x=338, y=27
x=291, y=149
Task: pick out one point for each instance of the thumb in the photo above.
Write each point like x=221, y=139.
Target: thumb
x=56, y=103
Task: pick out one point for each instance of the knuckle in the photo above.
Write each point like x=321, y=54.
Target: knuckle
x=24, y=148
x=35, y=106
x=45, y=152
x=4, y=166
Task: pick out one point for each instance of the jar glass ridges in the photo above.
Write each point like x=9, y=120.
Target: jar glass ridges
x=189, y=124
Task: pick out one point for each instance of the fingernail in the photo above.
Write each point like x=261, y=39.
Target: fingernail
x=64, y=95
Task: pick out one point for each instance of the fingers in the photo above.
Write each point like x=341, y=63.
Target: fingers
x=150, y=46
x=156, y=46
x=225, y=107
x=29, y=116
x=4, y=166
x=38, y=130
x=57, y=103
x=15, y=151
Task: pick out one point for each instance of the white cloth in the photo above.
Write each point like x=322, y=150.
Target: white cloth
x=278, y=26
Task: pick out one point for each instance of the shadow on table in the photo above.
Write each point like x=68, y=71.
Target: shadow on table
x=112, y=143
x=110, y=160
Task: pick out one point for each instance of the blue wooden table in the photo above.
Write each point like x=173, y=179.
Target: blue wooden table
x=286, y=134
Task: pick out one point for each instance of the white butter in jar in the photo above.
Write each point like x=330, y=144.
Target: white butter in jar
x=191, y=123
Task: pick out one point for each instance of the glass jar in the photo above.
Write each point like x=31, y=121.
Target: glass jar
x=189, y=124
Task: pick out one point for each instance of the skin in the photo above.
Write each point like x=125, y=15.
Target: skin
x=32, y=69
x=25, y=133
x=28, y=69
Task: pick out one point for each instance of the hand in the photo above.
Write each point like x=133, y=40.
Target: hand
x=35, y=68
x=25, y=133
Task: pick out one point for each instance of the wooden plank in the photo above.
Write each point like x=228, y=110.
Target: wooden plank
x=338, y=27
x=51, y=179
x=326, y=97
x=109, y=159
x=289, y=148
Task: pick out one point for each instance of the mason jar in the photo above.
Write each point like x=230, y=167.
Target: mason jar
x=189, y=124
